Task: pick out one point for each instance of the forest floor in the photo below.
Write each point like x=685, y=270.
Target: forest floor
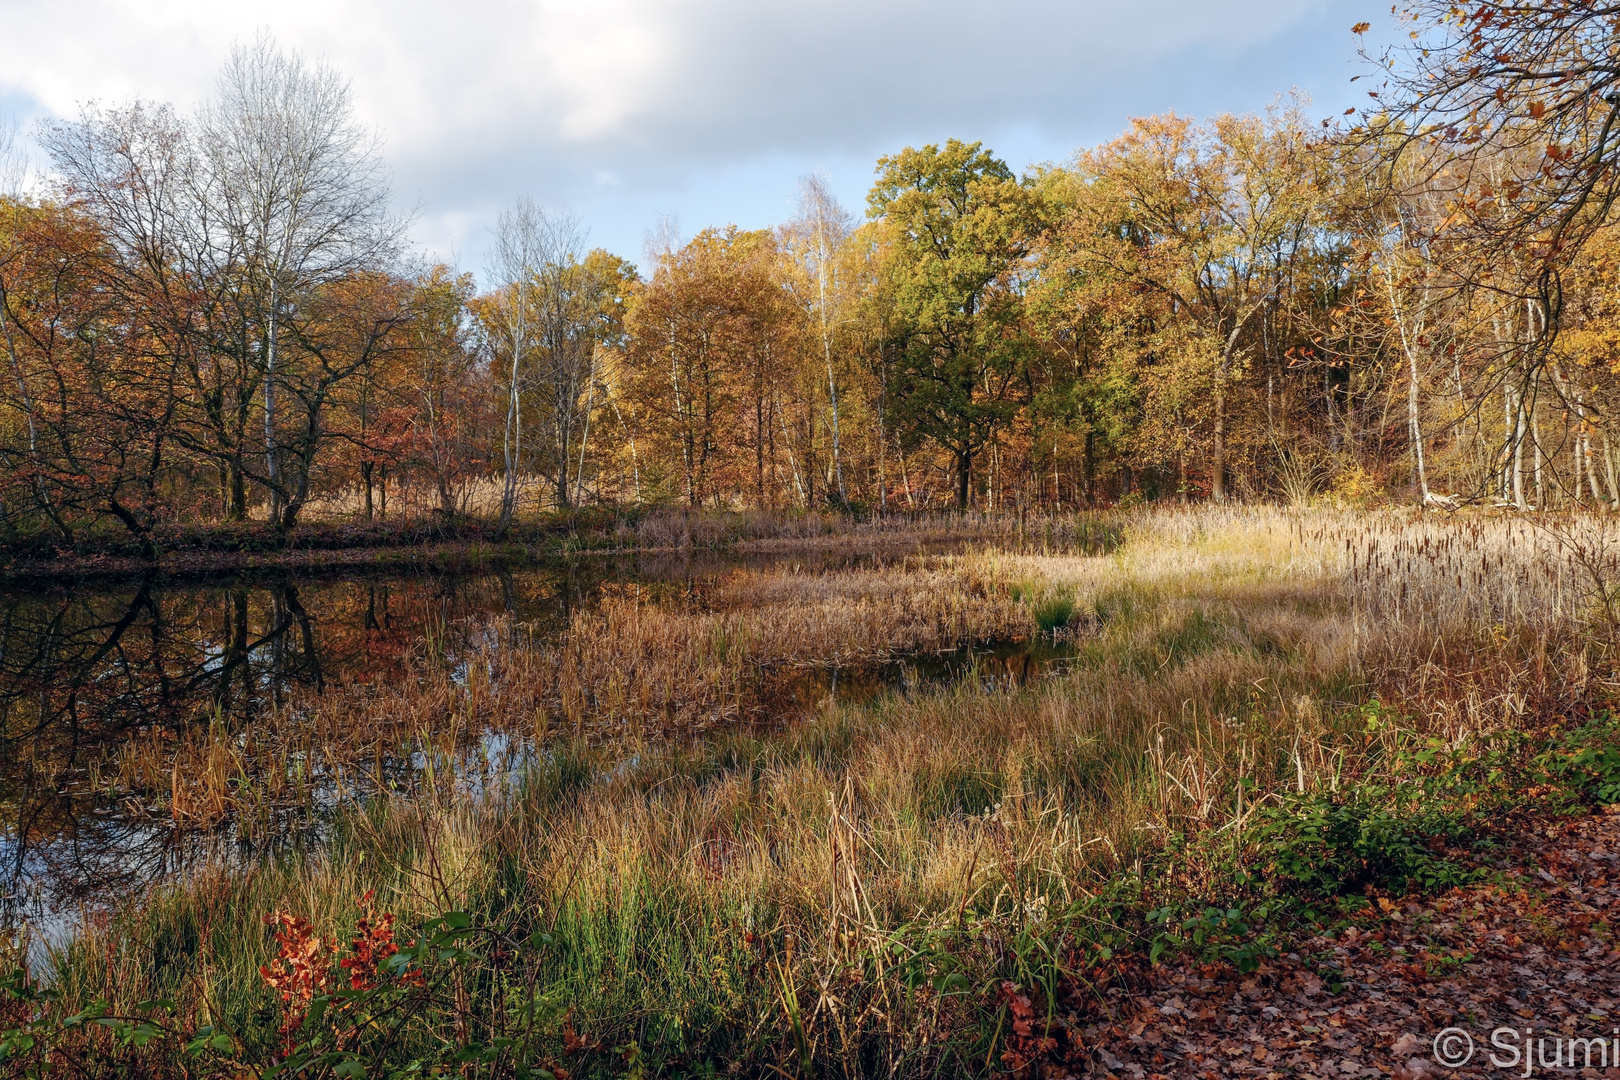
x=1463, y=983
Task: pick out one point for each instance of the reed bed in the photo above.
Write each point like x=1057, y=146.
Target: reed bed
x=668, y=528
x=628, y=667
x=759, y=901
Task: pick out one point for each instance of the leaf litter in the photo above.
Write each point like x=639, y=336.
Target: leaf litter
x=1532, y=948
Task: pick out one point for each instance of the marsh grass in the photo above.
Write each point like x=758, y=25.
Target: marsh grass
x=842, y=895
x=629, y=668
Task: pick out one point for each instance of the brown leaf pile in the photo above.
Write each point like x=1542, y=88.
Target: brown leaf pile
x=1533, y=950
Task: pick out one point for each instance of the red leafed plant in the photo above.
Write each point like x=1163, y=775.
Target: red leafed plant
x=302, y=968
x=372, y=944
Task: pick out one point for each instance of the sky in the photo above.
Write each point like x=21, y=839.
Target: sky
x=707, y=112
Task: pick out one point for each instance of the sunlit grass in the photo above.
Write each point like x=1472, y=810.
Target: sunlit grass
x=718, y=892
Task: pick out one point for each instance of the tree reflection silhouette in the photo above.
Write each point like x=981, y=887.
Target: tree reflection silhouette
x=83, y=671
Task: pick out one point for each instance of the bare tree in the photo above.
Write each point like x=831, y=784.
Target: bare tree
x=822, y=227
x=13, y=162
x=517, y=256
x=298, y=196
x=136, y=172
x=567, y=352
x=1533, y=85
x=133, y=172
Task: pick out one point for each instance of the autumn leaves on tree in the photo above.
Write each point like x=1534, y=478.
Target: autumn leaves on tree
x=212, y=317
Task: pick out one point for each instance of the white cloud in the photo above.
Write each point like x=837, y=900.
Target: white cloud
x=634, y=99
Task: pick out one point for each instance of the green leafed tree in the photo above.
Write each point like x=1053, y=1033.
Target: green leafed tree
x=957, y=225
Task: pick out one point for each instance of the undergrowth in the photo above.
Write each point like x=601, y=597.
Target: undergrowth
x=495, y=988
x=1257, y=740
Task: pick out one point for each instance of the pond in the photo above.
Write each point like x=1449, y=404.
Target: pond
x=86, y=668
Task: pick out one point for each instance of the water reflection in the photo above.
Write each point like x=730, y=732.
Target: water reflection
x=87, y=672
x=83, y=672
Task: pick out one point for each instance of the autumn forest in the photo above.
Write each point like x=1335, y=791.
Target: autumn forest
x=215, y=317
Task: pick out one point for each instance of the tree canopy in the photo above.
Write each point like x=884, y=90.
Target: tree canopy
x=213, y=317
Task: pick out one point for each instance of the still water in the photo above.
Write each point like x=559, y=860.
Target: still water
x=85, y=668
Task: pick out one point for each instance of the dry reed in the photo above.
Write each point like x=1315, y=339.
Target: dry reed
x=1225, y=656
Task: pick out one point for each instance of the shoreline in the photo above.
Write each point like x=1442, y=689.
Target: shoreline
x=211, y=564
x=449, y=557
x=200, y=556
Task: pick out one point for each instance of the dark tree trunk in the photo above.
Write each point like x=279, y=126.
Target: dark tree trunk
x=133, y=524
x=235, y=493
